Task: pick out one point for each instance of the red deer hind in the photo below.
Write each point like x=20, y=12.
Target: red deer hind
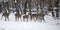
x=41, y=16
x=17, y=16
x=6, y=15
x=25, y=17
x=33, y=16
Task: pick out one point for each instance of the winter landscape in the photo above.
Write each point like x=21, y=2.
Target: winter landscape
x=29, y=14
x=50, y=24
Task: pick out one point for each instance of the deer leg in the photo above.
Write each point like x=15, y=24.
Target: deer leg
x=31, y=18
x=43, y=20
x=36, y=19
x=40, y=20
x=27, y=19
x=5, y=18
x=16, y=18
x=20, y=19
x=23, y=19
x=1, y=17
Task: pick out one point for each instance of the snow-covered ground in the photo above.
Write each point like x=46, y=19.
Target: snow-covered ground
x=50, y=24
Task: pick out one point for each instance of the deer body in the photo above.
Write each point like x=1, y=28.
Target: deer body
x=6, y=15
x=25, y=17
x=17, y=16
x=32, y=16
x=41, y=16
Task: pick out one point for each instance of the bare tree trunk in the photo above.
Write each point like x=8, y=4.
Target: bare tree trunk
x=30, y=7
x=57, y=14
x=40, y=7
x=50, y=7
x=25, y=6
x=1, y=8
x=53, y=13
x=37, y=7
x=56, y=5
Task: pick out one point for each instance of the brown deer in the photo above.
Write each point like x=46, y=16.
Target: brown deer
x=17, y=16
x=25, y=17
x=32, y=16
x=41, y=16
x=6, y=15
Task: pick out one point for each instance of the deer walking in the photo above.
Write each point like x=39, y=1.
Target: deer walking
x=33, y=16
x=17, y=16
x=25, y=17
x=6, y=15
x=41, y=16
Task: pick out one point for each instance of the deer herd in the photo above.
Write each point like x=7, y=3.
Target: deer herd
x=36, y=17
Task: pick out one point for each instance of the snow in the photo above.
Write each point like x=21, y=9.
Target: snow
x=28, y=26
x=50, y=24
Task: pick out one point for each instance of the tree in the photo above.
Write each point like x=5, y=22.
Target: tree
x=29, y=2
x=0, y=7
x=56, y=5
x=25, y=6
x=41, y=4
x=37, y=8
x=50, y=7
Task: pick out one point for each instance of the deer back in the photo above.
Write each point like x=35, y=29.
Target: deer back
x=42, y=14
x=25, y=16
x=18, y=15
x=33, y=15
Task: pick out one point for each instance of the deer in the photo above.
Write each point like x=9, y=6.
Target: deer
x=6, y=15
x=17, y=16
x=25, y=17
x=41, y=16
x=32, y=16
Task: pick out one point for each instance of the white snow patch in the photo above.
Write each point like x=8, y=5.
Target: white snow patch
x=50, y=24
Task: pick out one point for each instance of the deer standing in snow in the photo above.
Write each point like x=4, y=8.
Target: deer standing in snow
x=25, y=17
x=17, y=16
x=32, y=16
x=6, y=15
x=41, y=16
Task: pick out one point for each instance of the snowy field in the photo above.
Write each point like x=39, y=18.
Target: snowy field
x=50, y=24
